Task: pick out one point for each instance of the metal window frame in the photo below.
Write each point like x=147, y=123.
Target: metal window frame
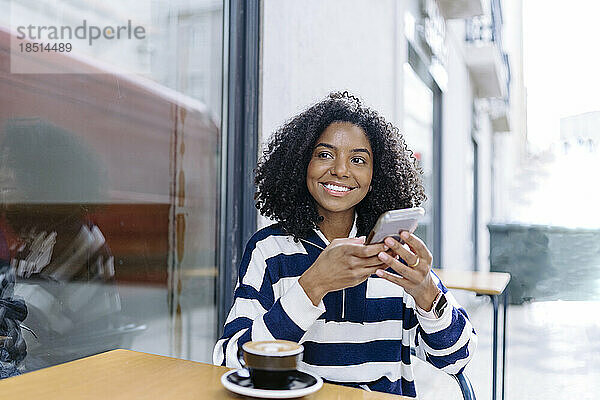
x=421, y=69
x=237, y=214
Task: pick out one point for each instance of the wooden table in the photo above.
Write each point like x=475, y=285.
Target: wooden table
x=492, y=284
x=130, y=375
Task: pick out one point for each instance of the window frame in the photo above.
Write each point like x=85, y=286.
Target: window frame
x=237, y=214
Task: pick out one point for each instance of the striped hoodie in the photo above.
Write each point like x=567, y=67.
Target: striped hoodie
x=360, y=336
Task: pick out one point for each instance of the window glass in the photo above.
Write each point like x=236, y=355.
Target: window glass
x=418, y=133
x=109, y=185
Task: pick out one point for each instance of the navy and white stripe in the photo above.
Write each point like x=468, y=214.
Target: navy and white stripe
x=369, y=346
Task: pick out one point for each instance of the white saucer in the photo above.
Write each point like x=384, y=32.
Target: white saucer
x=244, y=387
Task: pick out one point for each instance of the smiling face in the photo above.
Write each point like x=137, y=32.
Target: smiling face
x=340, y=170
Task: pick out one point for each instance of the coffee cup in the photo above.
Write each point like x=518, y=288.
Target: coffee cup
x=270, y=363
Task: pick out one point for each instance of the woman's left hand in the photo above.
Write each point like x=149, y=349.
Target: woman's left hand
x=415, y=277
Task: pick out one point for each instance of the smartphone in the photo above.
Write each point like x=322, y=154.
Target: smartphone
x=391, y=223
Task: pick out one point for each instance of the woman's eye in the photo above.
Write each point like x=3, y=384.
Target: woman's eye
x=358, y=160
x=324, y=155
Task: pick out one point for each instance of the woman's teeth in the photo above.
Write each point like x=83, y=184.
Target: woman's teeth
x=336, y=188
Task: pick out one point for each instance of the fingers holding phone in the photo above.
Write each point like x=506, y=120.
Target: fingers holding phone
x=413, y=277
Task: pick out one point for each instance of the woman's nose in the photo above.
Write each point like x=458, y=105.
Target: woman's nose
x=340, y=169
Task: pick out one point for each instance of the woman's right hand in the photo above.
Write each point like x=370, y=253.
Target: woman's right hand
x=344, y=263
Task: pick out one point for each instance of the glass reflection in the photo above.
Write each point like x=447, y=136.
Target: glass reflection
x=108, y=194
x=59, y=255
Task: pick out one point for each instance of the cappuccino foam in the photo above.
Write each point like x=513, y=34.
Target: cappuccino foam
x=273, y=348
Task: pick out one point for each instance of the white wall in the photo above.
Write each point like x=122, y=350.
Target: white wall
x=314, y=47
x=457, y=157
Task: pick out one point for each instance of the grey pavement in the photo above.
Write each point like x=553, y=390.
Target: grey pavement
x=553, y=351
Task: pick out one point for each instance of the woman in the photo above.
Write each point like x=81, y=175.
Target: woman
x=325, y=177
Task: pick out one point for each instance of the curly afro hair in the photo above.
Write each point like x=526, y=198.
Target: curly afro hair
x=280, y=178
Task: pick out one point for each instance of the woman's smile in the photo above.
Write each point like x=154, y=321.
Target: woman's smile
x=336, y=189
